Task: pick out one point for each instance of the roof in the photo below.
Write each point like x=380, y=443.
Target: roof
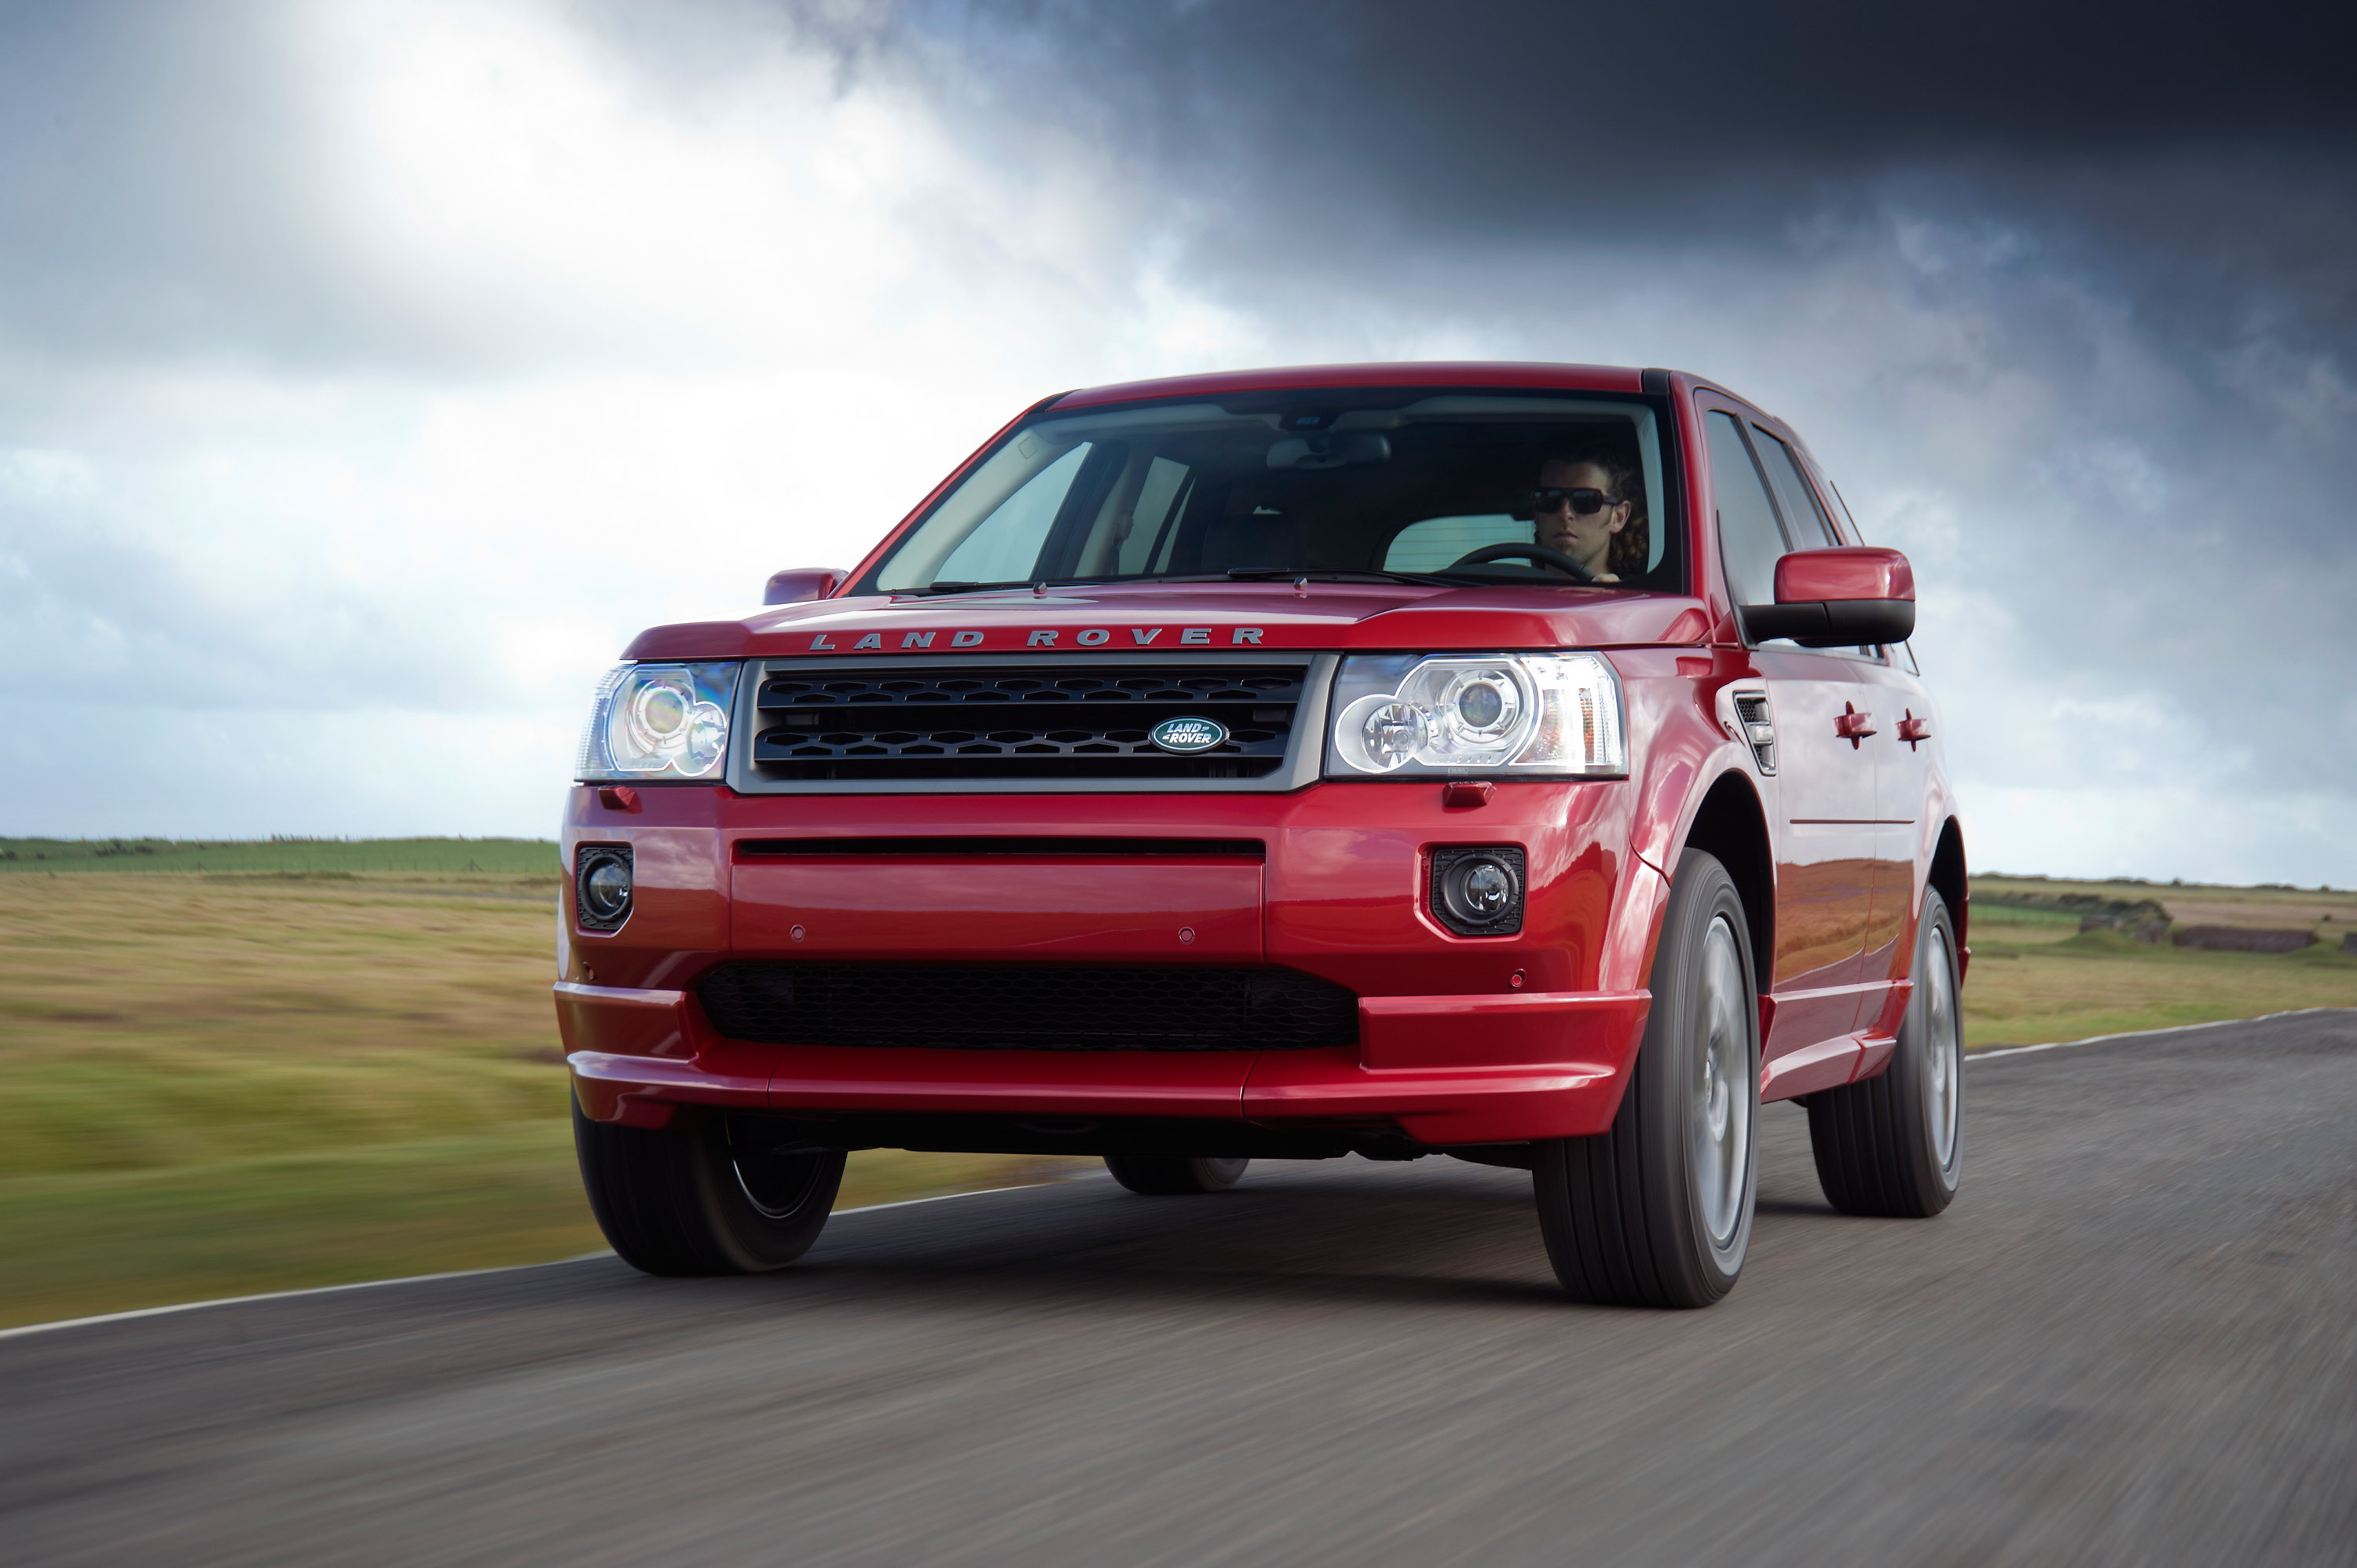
x=1412, y=374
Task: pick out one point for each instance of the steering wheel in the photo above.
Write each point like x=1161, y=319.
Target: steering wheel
x=1538, y=554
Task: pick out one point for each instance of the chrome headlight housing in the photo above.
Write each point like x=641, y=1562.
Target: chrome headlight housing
x=659, y=721
x=1556, y=714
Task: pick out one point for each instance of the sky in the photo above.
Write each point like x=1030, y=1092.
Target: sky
x=371, y=372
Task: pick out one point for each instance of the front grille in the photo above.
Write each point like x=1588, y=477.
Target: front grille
x=1065, y=720
x=1035, y=1008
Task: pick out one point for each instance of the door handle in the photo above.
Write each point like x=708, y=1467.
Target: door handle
x=1851, y=725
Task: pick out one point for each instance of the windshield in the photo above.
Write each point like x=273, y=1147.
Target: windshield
x=1331, y=482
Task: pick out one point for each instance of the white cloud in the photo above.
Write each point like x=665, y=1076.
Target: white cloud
x=589, y=347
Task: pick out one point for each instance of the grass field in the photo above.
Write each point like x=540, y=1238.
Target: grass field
x=219, y=1084
x=284, y=857
x=2330, y=913
x=2035, y=977
x=337, y=1061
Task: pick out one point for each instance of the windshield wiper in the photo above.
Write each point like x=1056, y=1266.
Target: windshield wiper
x=1346, y=574
x=964, y=587
x=1026, y=583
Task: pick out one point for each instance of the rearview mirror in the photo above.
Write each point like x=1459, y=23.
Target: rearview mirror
x=791, y=587
x=1847, y=598
x=1330, y=451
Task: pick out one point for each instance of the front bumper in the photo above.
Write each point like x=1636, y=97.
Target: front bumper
x=1459, y=1040
x=1440, y=1069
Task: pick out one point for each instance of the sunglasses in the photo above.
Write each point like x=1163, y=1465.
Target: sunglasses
x=1584, y=502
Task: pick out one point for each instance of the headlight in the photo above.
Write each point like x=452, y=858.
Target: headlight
x=1507, y=713
x=659, y=721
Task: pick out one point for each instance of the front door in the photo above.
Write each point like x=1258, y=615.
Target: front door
x=1824, y=797
x=1827, y=850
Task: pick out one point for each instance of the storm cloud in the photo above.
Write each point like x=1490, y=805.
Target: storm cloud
x=374, y=369
x=2060, y=294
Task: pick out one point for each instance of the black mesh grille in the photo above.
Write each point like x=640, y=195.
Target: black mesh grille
x=1040, y=1007
x=1076, y=721
x=1758, y=728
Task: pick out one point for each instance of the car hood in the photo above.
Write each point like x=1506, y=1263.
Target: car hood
x=1184, y=617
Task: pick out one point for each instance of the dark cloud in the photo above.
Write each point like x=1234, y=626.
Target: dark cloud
x=2080, y=271
x=2202, y=155
x=1476, y=109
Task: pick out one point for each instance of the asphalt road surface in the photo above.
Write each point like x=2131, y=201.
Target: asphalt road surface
x=2133, y=1340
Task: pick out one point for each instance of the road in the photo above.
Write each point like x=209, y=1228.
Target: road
x=2133, y=1340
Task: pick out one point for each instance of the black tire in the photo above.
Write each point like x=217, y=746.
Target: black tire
x=1174, y=1176
x=703, y=1199
x=1893, y=1144
x=1657, y=1210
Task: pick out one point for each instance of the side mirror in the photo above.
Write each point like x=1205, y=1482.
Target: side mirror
x=1847, y=598
x=802, y=583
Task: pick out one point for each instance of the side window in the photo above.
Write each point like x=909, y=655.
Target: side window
x=1440, y=542
x=1748, y=535
x=1846, y=524
x=1800, y=509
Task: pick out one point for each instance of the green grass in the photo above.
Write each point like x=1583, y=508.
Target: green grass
x=73, y=1244
x=219, y=1085
x=2036, y=978
x=282, y=856
x=2330, y=913
x=78, y=1242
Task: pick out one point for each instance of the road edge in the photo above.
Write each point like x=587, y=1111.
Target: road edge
x=1993, y=1053
x=169, y=1308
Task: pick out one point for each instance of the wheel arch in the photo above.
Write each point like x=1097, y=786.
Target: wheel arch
x=1732, y=826
x=1947, y=876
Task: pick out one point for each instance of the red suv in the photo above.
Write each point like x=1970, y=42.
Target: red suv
x=1517, y=762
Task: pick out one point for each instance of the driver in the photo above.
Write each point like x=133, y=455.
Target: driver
x=1583, y=507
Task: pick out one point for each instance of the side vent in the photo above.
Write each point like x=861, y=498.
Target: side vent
x=1751, y=711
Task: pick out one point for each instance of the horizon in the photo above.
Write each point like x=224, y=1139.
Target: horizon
x=7, y=842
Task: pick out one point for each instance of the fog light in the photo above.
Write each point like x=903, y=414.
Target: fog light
x=1477, y=890
x=601, y=886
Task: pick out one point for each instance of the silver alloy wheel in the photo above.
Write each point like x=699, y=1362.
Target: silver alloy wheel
x=1943, y=1051
x=776, y=1185
x=1720, y=1121
x=775, y=1193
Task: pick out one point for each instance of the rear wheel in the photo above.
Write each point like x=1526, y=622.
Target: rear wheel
x=719, y=1198
x=1657, y=1211
x=1893, y=1144
x=1174, y=1176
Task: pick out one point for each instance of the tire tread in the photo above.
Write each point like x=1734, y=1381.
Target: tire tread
x=654, y=1194
x=1608, y=1234
x=1863, y=1134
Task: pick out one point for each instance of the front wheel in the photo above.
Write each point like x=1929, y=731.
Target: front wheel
x=1893, y=1144
x=1657, y=1210
x=717, y=1198
x=1174, y=1176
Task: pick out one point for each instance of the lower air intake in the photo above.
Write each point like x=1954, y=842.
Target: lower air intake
x=1029, y=1008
